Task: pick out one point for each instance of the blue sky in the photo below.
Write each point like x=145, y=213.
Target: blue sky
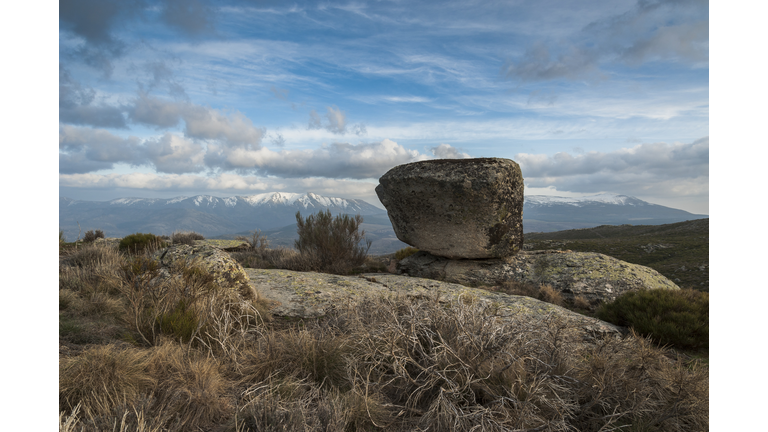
x=161, y=99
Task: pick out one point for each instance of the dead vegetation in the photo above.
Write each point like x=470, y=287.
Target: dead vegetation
x=184, y=354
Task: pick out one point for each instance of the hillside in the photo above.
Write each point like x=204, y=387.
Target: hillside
x=679, y=251
x=208, y=215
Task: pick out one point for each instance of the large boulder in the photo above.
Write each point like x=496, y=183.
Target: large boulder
x=595, y=277
x=456, y=208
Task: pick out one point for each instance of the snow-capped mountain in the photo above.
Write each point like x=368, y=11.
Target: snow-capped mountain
x=208, y=215
x=274, y=212
x=551, y=213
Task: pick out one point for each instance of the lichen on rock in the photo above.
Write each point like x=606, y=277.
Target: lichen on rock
x=227, y=272
x=312, y=295
x=596, y=277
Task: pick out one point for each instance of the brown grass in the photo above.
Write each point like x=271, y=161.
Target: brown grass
x=581, y=302
x=392, y=364
x=543, y=292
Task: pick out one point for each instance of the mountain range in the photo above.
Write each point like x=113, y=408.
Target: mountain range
x=550, y=213
x=274, y=214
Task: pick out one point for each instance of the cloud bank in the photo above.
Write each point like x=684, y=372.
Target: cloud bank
x=660, y=169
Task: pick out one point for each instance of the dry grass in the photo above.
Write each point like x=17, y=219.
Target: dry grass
x=580, y=302
x=203, y=358
x=543, y=292
x=103, y=378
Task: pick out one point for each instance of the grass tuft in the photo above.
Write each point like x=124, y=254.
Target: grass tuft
x=139, y=243
x=405, y=252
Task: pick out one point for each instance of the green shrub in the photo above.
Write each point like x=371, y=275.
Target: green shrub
x=181, y=323
x=331, y=244
x=139, y=242
x=91, y=236
x=405, y=253
x=675, y=317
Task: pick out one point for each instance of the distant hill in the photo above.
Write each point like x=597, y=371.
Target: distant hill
x=549, y=213
x=274, y=214
x=207, y=215
x=679, y=251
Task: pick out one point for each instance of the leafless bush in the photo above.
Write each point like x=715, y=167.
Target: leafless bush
x=186, y=237
x=91, y=236
x=257, y=242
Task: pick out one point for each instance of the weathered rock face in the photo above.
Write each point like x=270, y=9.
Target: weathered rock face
x=456, y=208
x=227, y=272
x=596, y=277
x=311, y=295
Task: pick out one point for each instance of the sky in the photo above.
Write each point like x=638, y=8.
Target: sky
x=160, y=99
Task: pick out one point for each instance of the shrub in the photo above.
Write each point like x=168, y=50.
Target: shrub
x=331, y=244
x=186, y=237
x=405, y=253
x=187, y=304
x=257, y=241
x=280, y=258
x=91, y=236
x=139, y=242
x=676, y=317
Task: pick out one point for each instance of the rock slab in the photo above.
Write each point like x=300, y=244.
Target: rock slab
x=456, y=208
x=311, y=295
x=595, y=277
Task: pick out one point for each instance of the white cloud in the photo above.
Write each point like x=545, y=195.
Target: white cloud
x=226, y=184
x=658, y=169
x=233, y=128
x=337, y=160
x=335, y=122
x=446, y=151
x=174, y=154
x=174, y=183
x=84, y=149
x=156, y=112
